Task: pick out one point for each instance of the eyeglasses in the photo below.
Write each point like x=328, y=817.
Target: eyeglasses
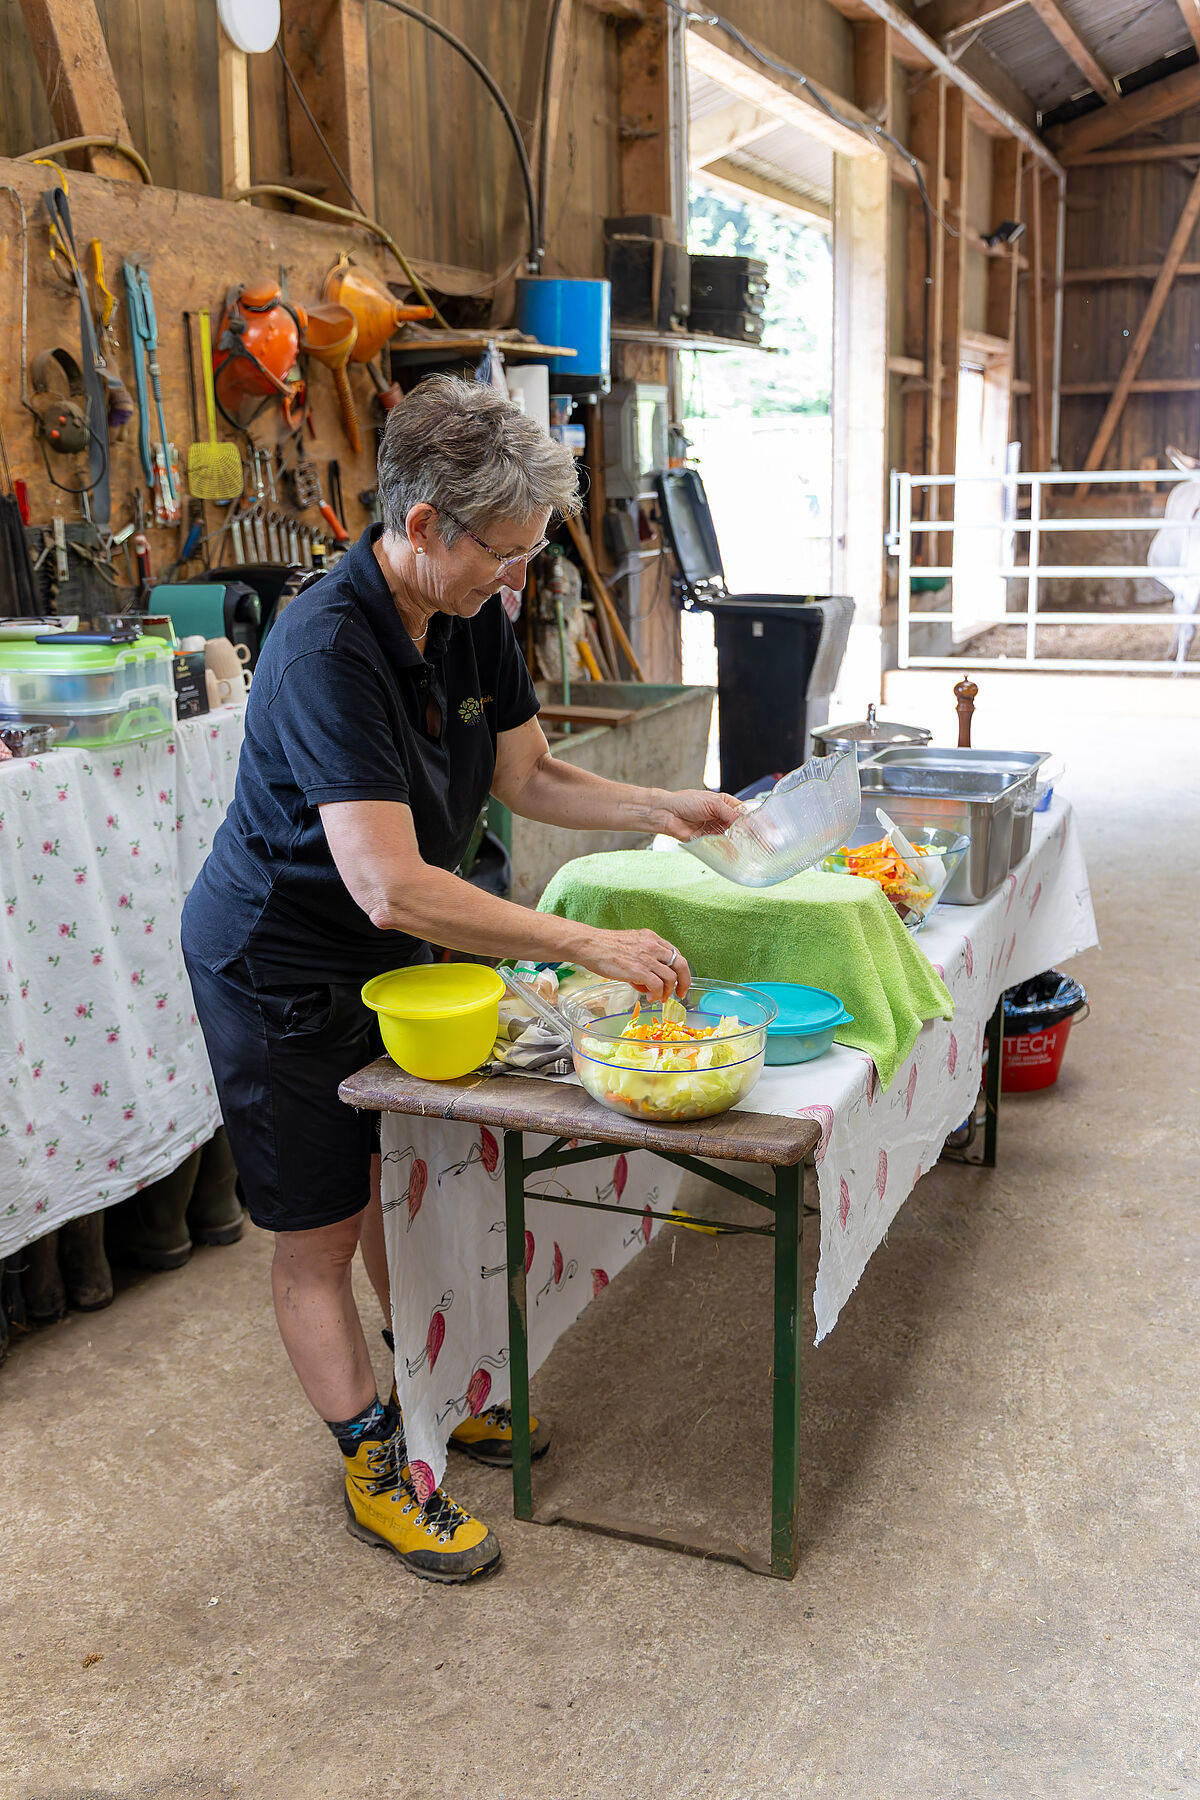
x=502, y=562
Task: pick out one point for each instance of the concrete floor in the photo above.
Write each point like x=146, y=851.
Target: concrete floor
x=997, y=1592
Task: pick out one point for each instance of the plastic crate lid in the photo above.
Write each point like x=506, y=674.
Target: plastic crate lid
x=28, y=658
x=802, y=1010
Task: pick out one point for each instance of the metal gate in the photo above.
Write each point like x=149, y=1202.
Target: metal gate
x=905, y=529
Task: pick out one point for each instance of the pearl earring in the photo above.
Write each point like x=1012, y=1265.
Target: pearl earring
x=420, y=552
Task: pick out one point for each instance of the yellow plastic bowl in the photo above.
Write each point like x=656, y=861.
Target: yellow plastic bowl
x=438, y=1020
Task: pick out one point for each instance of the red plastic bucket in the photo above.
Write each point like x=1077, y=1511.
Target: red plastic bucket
x=1034, y=1061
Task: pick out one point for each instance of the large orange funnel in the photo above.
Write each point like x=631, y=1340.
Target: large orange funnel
x=330, y=333
x=376, y=313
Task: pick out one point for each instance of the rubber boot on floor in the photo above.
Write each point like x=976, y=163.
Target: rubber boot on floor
x=12, y=1293
x=84, y=1265
x=45, y=1294
x=214, y=1214
x=149, y=1230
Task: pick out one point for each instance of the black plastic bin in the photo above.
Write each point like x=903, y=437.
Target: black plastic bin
x=778, y=655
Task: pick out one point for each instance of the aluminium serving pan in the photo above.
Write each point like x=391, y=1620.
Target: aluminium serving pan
x=965, y=791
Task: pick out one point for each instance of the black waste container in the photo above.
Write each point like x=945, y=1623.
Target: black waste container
x=778, y=655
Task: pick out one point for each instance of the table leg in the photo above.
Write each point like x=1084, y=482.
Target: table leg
x=991, y=1123
x=785, y=1453
x=518, y=1322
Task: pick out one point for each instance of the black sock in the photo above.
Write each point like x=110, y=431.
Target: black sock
x=377, y=1422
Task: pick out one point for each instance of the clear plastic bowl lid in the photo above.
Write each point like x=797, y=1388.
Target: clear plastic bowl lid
x=806, y=816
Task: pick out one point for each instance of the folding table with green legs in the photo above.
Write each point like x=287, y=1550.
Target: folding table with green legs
x=581, y=1131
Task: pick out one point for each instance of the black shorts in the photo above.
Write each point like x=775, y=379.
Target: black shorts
x=278, y=1054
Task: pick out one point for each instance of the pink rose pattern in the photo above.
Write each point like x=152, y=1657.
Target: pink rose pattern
x=110, y=1084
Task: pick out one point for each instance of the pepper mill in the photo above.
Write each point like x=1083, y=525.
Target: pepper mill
x=964, y=695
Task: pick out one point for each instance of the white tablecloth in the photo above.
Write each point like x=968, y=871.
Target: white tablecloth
x=106, y=1084
x=442, y=1182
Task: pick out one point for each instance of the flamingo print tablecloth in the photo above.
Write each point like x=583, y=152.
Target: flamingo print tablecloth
x=443, y=1191
x=106, y=1084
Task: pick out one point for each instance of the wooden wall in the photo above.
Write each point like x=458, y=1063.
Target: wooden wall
x=1122, y=215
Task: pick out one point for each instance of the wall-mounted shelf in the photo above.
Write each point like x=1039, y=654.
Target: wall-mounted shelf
x=474, y=343
x=682, y=340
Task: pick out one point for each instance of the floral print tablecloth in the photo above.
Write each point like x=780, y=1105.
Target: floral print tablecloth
x=443, y=1183
x=105, y=1083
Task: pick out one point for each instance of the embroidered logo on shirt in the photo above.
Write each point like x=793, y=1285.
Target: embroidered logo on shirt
x=472, y=709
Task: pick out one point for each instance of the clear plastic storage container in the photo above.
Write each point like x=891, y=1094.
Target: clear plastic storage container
x=93, y=694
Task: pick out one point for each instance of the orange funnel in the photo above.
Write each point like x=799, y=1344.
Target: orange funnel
x=329, y=335
x=377, y=315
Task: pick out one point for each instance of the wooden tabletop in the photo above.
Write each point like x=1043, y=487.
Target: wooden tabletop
x=560, y=1109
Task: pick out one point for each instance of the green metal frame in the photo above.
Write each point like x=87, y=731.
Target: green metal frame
x=786, y=1205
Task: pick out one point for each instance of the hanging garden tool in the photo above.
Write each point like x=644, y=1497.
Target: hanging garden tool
x=329, y=336
x=258, y=344
x=378, y=316
x=160, y=460
x=104, y=309
x=214, y=469
x=95, y=390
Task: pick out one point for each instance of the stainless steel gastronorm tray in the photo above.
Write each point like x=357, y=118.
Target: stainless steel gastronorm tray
x=987, y=794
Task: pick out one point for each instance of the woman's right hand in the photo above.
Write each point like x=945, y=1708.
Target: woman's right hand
x=642, y=958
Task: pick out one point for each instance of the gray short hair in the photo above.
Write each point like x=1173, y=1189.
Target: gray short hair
x=459, y=446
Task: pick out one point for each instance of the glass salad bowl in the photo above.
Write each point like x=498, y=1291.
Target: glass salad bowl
x=806, y=815
x=686, y=1065
x=912, y=892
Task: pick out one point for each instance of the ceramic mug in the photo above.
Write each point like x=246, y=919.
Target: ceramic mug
x=228, y=663
x=188, y=644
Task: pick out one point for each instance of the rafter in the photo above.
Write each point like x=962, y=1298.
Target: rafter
x=1148, y=106
x=952, y=18
x=1191, y=18
x=718, y=133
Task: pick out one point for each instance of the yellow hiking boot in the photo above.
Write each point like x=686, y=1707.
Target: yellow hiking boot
x=435, y=1539
x=488, y=1437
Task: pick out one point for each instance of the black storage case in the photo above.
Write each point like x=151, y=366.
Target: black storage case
x=767, y=644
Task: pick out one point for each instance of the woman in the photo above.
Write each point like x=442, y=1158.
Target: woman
x=389, y=700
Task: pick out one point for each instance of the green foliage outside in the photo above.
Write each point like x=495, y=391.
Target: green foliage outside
x=799, y=314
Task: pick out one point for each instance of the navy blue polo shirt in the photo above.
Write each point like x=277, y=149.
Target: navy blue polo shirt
x=345, y=707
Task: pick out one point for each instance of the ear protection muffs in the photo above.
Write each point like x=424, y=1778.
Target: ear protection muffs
x=58, y=403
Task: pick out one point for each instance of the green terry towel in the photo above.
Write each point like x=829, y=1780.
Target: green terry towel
x=836, y=932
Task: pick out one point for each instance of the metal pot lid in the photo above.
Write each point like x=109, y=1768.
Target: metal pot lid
x=873, y=731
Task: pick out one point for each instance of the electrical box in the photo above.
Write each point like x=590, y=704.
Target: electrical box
x=635, y=438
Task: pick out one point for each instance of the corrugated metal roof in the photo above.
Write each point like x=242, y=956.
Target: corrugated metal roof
x=1123, y=35
x=785, y=155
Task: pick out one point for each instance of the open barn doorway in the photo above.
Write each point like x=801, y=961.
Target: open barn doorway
x=758, y=421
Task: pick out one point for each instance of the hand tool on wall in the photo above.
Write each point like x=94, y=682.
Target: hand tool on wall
x=214, y=468
x=105, y=305
x=143, y=325
x=62, y=243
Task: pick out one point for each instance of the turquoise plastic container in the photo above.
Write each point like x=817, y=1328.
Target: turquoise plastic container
x=805, y=1021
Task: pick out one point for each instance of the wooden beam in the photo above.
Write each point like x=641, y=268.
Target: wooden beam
x=1141, y=343
x=1191, y=18
x=906, y=31
x=623, y=10
x=711, y=53
x=718, y=133
x=643, y=65
x=233, y=101
x=1126, y=272
x=911, y=366
x=1167, y=384
x=954, y=275
x=326, y=44
x=77, y=74
x=1136, y=153
x=923, y=285
x=729, y=177
x=1036, y=326
x=951, y=18
x=971, y=57
x=873, y=70
x=526, y=105
x=1067, y=38
x=1003, y=271
x=1150, y=105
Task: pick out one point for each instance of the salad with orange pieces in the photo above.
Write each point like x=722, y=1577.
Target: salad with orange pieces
x=882, y=863
x=624, y=1070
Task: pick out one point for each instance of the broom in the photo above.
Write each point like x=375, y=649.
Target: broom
x=214, y=469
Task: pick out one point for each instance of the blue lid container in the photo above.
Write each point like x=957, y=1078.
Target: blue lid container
x=804, y=1026
x=574, y=314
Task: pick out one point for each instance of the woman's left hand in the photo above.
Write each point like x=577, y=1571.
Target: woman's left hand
x=695, y=812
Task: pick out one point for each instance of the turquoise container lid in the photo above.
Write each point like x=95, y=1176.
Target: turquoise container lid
x=803, y=1011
